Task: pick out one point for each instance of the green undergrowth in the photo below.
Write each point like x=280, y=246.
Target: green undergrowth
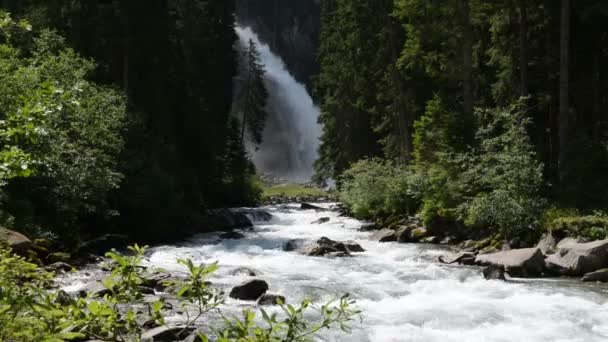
x=293, y=190
x=30, y=310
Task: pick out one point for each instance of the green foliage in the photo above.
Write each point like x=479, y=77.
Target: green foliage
x=376, y=188
x=503, y=177
x=29, y=311
x=564, y=223
x=293, y=190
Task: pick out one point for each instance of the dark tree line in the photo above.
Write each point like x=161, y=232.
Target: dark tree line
x=383, y=63
x=174, y=61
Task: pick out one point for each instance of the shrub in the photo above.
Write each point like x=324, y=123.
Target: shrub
x=375, y=187
x=569, y=223
x=29, y=311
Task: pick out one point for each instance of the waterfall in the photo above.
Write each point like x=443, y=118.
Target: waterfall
x=291, y=136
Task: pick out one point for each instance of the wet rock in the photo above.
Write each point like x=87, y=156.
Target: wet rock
x=547, y=243
x=308, y=206
x=232, y=236
x=18, y=242
x=577, y=259
x=243, y=271
x=418, y=234
x=58, y=257
x=63, y=298
x=251, y=290
x=95, y=289
x=157, y=281
x=430, y=239
x=293, y=245
x=597, y=276
x=384, y=235
x=526, y=262
x=227, y=219
x=325, y=247
x=369, y=227
x=257, y=215
x=103, y=244
x=167, y=334
x=448, y=240
x=321, y=220
x=270, y=299
x=59, y=267
x=468, y=244
x=494, y=273
x=404, y=234
x=465, y=258
x=150, y=324
x=194, y=337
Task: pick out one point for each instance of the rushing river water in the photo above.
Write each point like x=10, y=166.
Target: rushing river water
x=404, y=293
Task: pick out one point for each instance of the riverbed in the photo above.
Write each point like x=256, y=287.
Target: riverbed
x=405, y=294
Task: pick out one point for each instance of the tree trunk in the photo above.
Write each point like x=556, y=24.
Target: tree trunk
x=523, y=50
x=564, y=80
x=467, y=51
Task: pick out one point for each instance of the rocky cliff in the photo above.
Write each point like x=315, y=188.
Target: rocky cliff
x=291, y=28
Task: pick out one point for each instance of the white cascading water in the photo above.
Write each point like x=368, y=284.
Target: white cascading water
x=292, y=133
x=404, y=293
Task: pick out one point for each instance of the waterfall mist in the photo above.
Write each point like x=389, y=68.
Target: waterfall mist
x=291, y=136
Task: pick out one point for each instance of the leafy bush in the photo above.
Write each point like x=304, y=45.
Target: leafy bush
x=29, y=311
x=503, y=176
x=375, y=187
x=570, y=223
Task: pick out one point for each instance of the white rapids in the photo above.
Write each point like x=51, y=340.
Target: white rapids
x=405, y=295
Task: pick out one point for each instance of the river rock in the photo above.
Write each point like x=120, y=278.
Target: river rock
x=293, y=245
x=568, y=242
x=243, y=271
x=94, y=289
x=102, y=244
x=63, y=298
x=418, y=234
x=325, y=246
x=599, y=276
x=18, y=242
x=369, y=227
x=251, y=290
x=308, y=206
x=59, y=267
x=430, y=239
x=232, y=236
x=227, y=219
x=257, y=215
x=465, y=258
x=156, y=281
x=547, y=243
x=167, y=334
x=271, y=299
x=577, y=259
x=321, y=220
x=526, y=262
x=494, y=273
x=384, y=235
x=448, y=240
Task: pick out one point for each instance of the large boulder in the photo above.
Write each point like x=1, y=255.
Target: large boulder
x=167, y=334
x=526, y=262
x=325, y=246
x=576, y=259
x=384, y=235
x=494, y=273
x=251, y=290
x=599, y=276
x=270, y=299
x=417, y=234
x=18, y=242
x=547, y=243
x=308, y=206
x=227, y=219
x=465, y=258
x=322, y=220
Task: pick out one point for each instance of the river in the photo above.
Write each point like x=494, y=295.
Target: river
x=404, y=293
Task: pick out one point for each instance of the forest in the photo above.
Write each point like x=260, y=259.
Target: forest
x=481, y=125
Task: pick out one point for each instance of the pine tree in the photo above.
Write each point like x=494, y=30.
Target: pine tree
x=252, y=95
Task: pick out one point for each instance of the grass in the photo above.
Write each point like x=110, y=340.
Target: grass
x=292, y=190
